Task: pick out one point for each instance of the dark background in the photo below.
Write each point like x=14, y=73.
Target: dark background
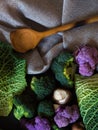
x=9, y=123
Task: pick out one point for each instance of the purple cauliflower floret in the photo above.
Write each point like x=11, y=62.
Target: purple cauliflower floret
x=41, y=124
x=87, y=59
x=36, y=124
x=28, y=124
x=66, y=115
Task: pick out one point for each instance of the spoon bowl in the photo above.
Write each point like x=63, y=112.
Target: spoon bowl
x=24, y=39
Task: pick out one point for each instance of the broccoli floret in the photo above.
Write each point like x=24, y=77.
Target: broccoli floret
x=45, y=108
x=42, y=86
x=63, y=67
x=25, y=106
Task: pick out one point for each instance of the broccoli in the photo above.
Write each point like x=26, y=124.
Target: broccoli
x=12, y=77
x=45, y=108
x=63, y=67
x=25, y=106
x=42, y=86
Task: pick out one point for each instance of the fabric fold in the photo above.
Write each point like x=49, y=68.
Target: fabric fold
x=39, y=59
x=43, y=15
x=81, y=36
x=78, y=10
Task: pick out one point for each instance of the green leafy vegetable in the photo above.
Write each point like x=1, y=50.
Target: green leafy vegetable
x=45, y=108
x=87, y=95
x=42, y=86
x=25, y=106
x=12, y=78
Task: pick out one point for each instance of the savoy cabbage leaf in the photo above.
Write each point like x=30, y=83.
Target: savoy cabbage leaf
x=12, y=77
x=87, y=96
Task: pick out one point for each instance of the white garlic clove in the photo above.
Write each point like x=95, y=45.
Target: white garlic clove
x=62, y=96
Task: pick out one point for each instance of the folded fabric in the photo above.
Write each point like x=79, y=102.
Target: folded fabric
x=42, y=15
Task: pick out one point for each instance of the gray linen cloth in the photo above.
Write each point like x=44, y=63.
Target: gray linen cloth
x=42, y=15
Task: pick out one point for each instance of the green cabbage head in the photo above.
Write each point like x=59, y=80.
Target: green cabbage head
x=12, y=77
x=87, y=96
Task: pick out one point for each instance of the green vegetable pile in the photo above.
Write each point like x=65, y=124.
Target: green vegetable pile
x=87, y=95
x=35, y=98
x=12, y=78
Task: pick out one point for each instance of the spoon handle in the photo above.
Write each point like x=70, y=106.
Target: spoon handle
x=70, y=26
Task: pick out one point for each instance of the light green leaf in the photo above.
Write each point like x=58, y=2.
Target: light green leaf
x=87, y=96
x=12, y=77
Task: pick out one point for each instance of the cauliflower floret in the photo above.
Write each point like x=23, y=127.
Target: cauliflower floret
x=87, y=59
x=38, y=123
x=65, y=116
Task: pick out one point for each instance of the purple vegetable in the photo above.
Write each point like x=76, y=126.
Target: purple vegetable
x=87, y=58
x=65, y=116
x=28, y=124
x=36, y=124
x=42, y=124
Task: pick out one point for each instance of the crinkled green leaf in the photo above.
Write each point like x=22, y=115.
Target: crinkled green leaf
x=12, y=77
x=87, y=95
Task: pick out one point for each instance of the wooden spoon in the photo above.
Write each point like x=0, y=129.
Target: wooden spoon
x=25, y=39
